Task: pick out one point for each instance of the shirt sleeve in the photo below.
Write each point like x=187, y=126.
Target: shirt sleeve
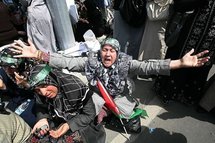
x=75, y=64
x=150, y=67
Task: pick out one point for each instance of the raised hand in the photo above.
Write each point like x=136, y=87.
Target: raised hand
x=21, y=80
x=189, y=60
x=24, y=50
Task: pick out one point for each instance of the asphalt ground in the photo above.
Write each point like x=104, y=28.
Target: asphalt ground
x=172, y=123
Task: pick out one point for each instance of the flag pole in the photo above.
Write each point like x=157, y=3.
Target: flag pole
x=110, y=104
x=124, y=128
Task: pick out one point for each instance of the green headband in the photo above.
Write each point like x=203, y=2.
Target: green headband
x=40, y=76
x=10, y=60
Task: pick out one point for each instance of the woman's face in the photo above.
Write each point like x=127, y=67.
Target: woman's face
x=108, y=56
x=49, y=91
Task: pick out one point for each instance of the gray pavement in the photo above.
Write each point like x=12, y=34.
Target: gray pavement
x=175, y=123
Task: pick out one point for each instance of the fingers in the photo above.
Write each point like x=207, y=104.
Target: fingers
x=199, y=64
x=20, y=77
x=19, y=42
x=43, y=130
x=15, y=51
x=17, y=75
x=202, y=53
x=53, y=133
x=191, y=52
x=202, y=61
x=199, y=54
x=18, y=56
x=17, y=47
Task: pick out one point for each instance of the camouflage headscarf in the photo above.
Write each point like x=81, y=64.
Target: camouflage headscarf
x=112, y=42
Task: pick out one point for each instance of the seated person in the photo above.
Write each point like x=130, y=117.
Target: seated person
x=90, y=17
x=11, y=93
x=8, y=25
x=13, y=129
x=64, y=105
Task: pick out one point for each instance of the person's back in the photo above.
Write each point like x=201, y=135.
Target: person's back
x=10, y=92
x=40, y=27
x=90, y=18
x=13, y=128
x=8, y=32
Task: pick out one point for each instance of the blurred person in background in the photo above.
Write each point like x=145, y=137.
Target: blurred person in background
x=8, y=31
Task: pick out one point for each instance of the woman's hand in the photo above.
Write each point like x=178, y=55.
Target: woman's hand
x=41, y=128
x=60, y=131
x=24, y=50
x=189, y=60
x=21, y=80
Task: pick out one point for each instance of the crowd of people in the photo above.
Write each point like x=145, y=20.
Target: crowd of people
x=62, y=107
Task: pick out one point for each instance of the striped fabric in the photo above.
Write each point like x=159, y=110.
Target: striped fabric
x=13, y=129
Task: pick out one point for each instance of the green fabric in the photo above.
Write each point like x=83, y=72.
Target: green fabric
x=10, y=60
x=13, y=129
x=139, y=112
x=40, y=76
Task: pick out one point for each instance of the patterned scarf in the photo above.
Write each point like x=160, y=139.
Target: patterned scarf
x=71, y=92
x=114, y=78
